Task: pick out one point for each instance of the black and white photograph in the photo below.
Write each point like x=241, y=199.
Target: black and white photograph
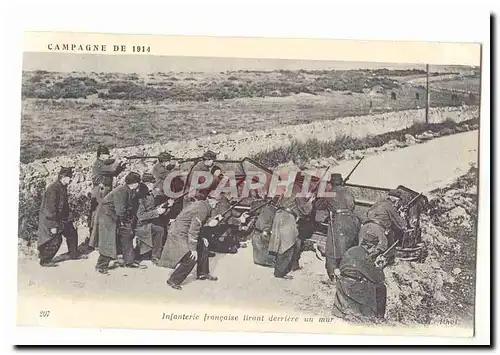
x=246, y=193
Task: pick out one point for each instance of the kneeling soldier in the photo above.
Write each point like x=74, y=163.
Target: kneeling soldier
x=382, y=219
x=360, y=293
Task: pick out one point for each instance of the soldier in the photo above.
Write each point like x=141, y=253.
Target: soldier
x=161, y=169
x=285, y=242
x=114, y=225
x=343, y=226
x=221, y=230
x=54, y=222
x=184, y=248
x=206, y=165
x=103, y=172
x=360, y=290
x=150, y=229
x=262, y=234
x=382, y=217
x=412, y=217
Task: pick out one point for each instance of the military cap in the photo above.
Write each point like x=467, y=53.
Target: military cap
x=336, y=178
x=148, y=177
x=102, y=150
x=132, y=178
x=395, y=193
x=66, y=171
x=209, y=155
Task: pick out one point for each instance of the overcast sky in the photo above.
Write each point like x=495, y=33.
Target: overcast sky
x=68, y=62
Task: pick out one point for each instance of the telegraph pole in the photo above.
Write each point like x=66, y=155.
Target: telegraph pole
x=428, y=96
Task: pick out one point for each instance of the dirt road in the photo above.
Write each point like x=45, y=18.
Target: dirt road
x=242, y=284
x=421, y=167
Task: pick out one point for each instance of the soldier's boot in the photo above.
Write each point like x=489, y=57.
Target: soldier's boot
x=174, y=285
x=48, y=264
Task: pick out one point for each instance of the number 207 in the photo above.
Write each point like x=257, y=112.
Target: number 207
x=44, y=314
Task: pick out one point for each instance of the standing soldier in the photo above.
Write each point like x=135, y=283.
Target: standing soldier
x=361, y=294
x=343, y=226
x=114, y=225
x=103, y=172
x=206, y=165
x=382, y=218
x=54, y=221
x=161, y=169
x=285, y=241
x=150, y=229
x=184, y=248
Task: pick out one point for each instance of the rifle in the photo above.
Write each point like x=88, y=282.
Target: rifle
x=330, y=224
x=387, y=251
x=406, y=207
x=142, y=157
x=217, y=219
x=390, y=248
x=232, y=207
x=251, y=212
x=355, y=167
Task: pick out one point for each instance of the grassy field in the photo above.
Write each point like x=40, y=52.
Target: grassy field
x=73, y=113
x=470, y=84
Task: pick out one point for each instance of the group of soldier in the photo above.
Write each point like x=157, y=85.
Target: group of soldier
x=185, y=232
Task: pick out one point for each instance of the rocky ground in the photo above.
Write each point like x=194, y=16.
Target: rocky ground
x=441, y=289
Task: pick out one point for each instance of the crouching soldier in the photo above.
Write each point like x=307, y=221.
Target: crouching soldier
x=382, y=218
x=361, y=294
x=54, y=222
x=262, y=234
x=343, y=226
x=184, y=248
x=149, y=230
x=114, y=225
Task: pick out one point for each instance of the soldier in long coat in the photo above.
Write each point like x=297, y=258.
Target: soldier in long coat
x=343, y=226
x=114, y=225
x=104, y=171
x=184, y=248
x=54, y=222
x=261, y=235
x=149, y=230
x=285, y=243
x=382, y=218
x=361, y=294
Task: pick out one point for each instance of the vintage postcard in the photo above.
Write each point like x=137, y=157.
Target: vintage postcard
x=243, y=184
